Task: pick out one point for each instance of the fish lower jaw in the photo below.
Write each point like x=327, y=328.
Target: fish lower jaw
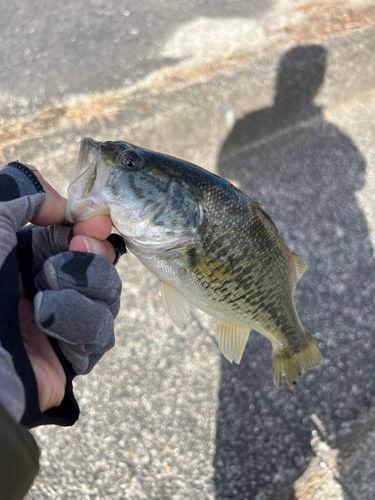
x=79, y=212
x=152, y=247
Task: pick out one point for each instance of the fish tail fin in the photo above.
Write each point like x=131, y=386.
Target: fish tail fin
x=293, y=364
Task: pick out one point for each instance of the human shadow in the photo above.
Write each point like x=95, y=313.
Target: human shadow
x=305, y=171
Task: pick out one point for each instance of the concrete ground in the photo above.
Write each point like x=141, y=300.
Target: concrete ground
x=281, y=101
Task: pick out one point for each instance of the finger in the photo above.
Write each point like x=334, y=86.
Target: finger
x=53, y=209
x=49, y=374
x=82, y=243
x=83, y=326
x=97, y=278
x=99, y=227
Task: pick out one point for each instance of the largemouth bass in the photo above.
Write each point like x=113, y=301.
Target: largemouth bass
x=209, y=244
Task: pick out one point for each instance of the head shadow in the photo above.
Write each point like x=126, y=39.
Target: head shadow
x=300, y=75
x=305, y=171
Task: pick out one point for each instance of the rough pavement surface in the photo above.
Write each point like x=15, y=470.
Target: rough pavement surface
x=289, y=117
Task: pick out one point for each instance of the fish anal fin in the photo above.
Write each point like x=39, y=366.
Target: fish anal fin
x=293, y=364
x=231, y=339
x=300, y=265
x=209, y=268
x=175, y=304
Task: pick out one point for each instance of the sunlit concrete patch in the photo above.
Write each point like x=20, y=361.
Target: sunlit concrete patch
x=317, y=481
x=204, y=39
x=342, y=473
x=321, y=478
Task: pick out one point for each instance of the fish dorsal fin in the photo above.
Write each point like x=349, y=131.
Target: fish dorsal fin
x=266, y=215
x=231, y=339
x=209, y=268
x=175, y=304
x=300, y=264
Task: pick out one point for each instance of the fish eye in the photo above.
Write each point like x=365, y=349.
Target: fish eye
x=129, y=159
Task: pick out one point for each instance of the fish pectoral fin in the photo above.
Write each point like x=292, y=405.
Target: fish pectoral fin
x=293, y=364
x=175, y=304
x=300, y=265
x=231, y=339
x=209, y=268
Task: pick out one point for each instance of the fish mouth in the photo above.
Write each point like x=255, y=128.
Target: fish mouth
x=88, y=180
x=91, y=145
x=88, y=151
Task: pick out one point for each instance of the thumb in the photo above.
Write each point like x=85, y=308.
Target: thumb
x=53, y=209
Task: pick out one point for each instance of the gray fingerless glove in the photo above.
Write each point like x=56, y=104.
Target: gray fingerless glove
x=78, y=298
x=75, y=305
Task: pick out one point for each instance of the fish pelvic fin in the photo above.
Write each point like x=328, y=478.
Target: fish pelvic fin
x=175, y=304
x=293, y=364
x=231, y=339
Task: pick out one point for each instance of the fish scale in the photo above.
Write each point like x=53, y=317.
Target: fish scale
x=210, y=245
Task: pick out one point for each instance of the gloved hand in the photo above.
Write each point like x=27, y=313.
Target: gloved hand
x=76, y=298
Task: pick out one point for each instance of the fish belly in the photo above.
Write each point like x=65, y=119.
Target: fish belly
x=205, y=297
